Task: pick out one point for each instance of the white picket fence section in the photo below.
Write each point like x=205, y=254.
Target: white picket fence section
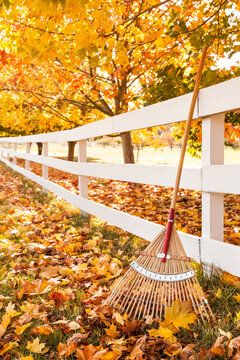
x=213, y=178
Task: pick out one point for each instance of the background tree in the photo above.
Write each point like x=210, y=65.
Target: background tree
x=175, y=81
x=105, y=52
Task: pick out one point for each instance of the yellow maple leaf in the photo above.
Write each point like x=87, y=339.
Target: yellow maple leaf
x=27, y=357
x=112, y=331
x=179, y=315
x=35, y=346
x=7, y=347
x=165, y=333
x=237, y=297
x=20, y=329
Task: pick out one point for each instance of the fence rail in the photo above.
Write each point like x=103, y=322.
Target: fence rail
x=213, y=178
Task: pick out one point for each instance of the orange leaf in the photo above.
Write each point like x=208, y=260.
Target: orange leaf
x=112, y=331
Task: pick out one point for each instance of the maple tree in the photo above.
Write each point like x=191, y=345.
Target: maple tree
x=105, y=71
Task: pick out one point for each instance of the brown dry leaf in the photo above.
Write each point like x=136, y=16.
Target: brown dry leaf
x=218, y=347
x=58, y=298
x=37, y=287
x=49, y=272
x=234, y=344
x=87, y=352
x=187, y=351
x=137, y=352
x=227, y=334
x=131, y=326
x=236, y=356
x=173, y=349
x=65, y=350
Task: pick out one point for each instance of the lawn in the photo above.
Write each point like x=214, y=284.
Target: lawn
x=148, y=155
x=57, y=269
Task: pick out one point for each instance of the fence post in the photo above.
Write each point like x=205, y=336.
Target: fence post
x=83, y=180
x=44, y=167
x=14, y=156
x=27, y=162
x=213, y=153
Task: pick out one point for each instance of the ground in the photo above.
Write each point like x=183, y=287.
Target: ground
x=57, y=269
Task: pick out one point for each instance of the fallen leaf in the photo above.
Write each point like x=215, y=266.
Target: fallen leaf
x=42, y=330
x=179, y=315
x=49, y=272
x=20, y=329
x=187, y=351
x=112, y=331
x=87, y=352
x=65, y=350
x=173, y=349
x=234, y=344
x=35, y=346
x=218, y=294
x=218, y=347
x=58, y=298
x=7, y=347
x=165, y=333
x=119, y=318
x=237, y=297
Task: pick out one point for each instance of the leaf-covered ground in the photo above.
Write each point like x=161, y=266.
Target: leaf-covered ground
x=57, y=269
x=152, y=202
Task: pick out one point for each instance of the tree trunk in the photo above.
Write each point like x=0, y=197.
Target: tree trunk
x=128, y=155
x=40, y=147
x=71, y=147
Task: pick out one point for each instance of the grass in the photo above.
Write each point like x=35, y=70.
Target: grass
x=148, y=155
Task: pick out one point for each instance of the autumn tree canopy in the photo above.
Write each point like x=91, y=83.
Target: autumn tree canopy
x=67, y=63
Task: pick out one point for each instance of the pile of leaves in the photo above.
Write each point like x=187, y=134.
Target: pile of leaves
x=57, y=269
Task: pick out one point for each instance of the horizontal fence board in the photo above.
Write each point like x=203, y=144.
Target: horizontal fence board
x=221, y=179
x=209, y=251
x=137, y=226
x=212, y=100
x=219, y=98
x=222, y=255
x=163, y=175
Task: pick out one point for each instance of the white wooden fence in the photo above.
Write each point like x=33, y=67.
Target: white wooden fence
x=213, y=178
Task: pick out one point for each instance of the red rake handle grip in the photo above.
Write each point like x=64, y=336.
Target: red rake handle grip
x=168, y=233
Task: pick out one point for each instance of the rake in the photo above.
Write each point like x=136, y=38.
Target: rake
x=163, y=273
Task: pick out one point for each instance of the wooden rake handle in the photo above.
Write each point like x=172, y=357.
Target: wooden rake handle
x=182, y=155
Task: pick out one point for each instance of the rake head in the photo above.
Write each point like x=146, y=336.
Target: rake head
x=149, y=286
